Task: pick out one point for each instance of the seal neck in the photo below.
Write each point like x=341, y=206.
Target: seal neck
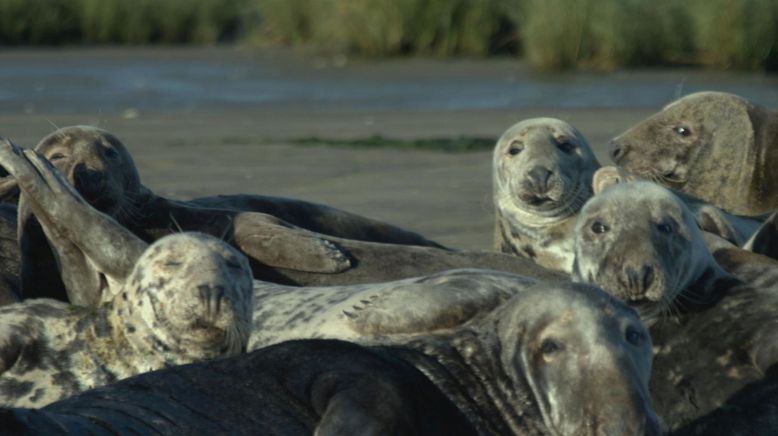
x=466, y=367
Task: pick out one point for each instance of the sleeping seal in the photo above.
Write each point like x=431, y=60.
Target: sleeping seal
x=564, y=360
x=716, y=146
x=542, y=169
x=713, y=327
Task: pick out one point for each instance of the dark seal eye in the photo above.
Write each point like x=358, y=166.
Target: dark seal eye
x=634, y=336
x=111, y=153
x=682, y=131
x=550, y=346
x=566, y=146
x=515, y=148
x=599, y=227
x=56, y=156
x=665, y=228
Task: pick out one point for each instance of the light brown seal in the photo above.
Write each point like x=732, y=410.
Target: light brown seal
x=542, y=169
x=716, y=146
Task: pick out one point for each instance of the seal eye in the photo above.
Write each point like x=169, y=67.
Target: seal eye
x=634, y=336
x=550, y=346
x=111, y=153
x=599, y=227
x=682, y=131
x=566, y=146
x=515, y=148
x=56, y=156
x=665, y=228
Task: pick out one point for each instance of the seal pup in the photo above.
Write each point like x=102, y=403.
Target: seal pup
x=561, y=359
x=713, y=327
x=716, y=146
x=542, y=169
x=72, y=225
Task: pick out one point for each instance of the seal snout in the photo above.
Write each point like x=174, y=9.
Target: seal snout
x=617, y=150
x=537, y=186
x=638, y=281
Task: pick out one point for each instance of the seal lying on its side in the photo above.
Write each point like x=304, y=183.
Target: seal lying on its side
x=542, y=169
x=713, y=334
x=562, y=360
x=716, y=146
x=70, y=223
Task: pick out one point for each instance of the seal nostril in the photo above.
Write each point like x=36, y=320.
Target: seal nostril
x=540, y=176
x=648, y=277
x=616, y=151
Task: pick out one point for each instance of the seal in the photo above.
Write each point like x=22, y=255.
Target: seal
x=525, y=368
x=188, y=298
x=716, y=146
x=542, y=169
x=102, y=170
x=738, y=230
x=78, y=233
x=712, y=317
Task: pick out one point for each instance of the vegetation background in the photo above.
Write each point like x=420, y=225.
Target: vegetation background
x=548, y=34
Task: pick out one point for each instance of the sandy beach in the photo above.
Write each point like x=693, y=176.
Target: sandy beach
x=197, y=142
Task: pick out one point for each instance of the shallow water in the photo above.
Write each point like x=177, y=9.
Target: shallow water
x=194, y=80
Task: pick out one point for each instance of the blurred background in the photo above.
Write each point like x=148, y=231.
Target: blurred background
x=388, y=108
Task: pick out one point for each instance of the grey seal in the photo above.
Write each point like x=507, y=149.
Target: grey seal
x=542, y=170
x=713, y=318
x=526, y=368
x=716, y=146
x=187, y=298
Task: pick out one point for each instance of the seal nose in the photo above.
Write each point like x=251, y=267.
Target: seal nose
x=85, y=180
x=639, y=280
x=616, y=150
x=539, y=177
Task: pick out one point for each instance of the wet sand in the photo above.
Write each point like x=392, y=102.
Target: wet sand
x=445, y=196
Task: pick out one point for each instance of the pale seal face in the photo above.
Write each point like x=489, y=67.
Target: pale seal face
x=703, y=144
x=189, y=298
x=97, y=164
x=543, y=167
x=586, y=356
x=640, y=243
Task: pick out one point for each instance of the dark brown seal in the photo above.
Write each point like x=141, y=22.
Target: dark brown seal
x=716, y=146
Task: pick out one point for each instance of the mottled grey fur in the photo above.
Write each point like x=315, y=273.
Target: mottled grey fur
x=713, y=319
x=553, y=359
x=716, y=146
x=542, y=169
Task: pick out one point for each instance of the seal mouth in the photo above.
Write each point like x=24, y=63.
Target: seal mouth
x=536, y=199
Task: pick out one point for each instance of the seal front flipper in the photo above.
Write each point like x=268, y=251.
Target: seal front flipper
x=448, y=300
x=274, y=243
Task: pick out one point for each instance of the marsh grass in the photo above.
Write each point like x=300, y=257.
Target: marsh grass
x=550, y=34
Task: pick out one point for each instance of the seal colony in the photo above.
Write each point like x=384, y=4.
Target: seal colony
x=439, y=351
x=521, y=370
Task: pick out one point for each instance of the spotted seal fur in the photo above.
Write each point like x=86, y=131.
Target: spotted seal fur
x=716, y=146
x=542, y=169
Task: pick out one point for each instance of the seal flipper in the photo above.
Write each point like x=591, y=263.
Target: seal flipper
x=278, y=244
x=87, y=243
x=765, y=240
x=448, y=301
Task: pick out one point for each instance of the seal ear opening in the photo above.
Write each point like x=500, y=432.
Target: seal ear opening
x=608, y=176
